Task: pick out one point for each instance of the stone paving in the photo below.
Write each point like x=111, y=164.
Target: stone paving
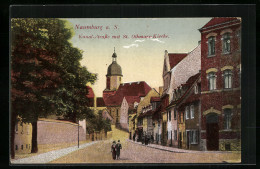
x=50, y=156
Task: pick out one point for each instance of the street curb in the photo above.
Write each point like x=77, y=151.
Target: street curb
x=155, y=147
x=190, y=151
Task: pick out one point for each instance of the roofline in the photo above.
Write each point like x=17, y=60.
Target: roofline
x=217, y=24
x=186, y=56
x=183, y=96
x=113, y=75
x=177, y=53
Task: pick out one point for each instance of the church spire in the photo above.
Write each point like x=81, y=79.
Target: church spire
x=114, y=56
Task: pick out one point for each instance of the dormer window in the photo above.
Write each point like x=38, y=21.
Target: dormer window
x=196, y=90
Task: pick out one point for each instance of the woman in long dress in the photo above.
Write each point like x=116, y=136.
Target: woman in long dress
x=113, y=150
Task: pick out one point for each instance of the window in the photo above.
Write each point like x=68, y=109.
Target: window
x=26, y=146
x=22, y=147
x=175, y=134
x=187, y=112
x=22, y=128
x=28, y=128
x=227, y=147
x=16, y=147
x=170, y=115
x=212, y=80
x=173, y=95
x=174, y=114
x=192, y=112
x=117, y=112
x=227, y=79
x=227, y=119
x=211, y=45
x=194, y=136
x=196, y=91
x=108, y=82
x=16, y=127
x=226, y=43
x=116, y=120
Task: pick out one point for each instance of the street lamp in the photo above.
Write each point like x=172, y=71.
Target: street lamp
x=78, y=133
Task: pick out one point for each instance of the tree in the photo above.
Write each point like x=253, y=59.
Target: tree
x=46, y=76
x=98, y=123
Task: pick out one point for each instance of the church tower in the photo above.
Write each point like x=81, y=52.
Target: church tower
x=114, y=74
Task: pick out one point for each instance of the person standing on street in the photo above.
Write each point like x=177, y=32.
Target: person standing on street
x=113, y=150
x=118, y=147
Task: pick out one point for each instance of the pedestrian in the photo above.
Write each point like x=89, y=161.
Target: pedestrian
x=113, y=150
x=118, y=147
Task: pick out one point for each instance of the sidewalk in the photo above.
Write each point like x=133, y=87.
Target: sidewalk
x=51, y=155
x=176, y=150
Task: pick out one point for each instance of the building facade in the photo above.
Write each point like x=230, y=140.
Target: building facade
x=23, y=137
x=220, y=84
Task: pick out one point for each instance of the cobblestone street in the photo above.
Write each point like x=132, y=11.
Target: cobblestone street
x=136, y=153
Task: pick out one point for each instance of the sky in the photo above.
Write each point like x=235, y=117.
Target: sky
x=141, y=58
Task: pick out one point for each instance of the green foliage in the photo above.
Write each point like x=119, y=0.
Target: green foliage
x=46, y=75
x=98, y=123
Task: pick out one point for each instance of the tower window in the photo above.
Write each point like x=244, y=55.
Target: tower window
x=108, y=82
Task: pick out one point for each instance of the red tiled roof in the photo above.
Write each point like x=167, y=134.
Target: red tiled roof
x=134, y=89
x=155, y=99
x=90, y=93
x=188, y=83
x=100, y=102
x=175, y=58
x=192, y=78
x=132, y=99
x=219, y=20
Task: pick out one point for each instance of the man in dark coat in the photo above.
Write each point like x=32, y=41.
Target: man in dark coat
x=113, y=150
x=118, y=147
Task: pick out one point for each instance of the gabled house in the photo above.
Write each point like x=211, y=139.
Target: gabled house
x=180, y=73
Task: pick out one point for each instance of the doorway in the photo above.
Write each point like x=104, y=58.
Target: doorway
x=188, y=139
x=212, y=132
x=180, y=140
